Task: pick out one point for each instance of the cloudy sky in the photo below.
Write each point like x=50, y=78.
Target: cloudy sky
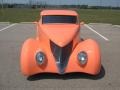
x=57, y=2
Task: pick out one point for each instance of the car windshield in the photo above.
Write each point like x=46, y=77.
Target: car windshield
x=59, y=19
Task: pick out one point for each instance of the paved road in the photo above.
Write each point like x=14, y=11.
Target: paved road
x=11, y=40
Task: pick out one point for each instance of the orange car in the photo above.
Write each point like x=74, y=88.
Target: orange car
x=58, y=47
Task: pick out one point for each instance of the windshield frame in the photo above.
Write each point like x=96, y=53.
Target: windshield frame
x=77, y=21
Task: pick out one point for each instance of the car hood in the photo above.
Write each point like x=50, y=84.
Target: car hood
x=60, y=34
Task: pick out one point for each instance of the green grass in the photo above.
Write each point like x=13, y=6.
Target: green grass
x=19, y=15
x=100, y=16
x=87, y=15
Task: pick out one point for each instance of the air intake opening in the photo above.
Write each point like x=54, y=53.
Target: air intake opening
x=61, y=55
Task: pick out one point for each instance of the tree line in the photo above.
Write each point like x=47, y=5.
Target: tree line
x=44, y=5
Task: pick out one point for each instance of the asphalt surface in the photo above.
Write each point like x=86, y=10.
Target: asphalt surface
x=12, y=38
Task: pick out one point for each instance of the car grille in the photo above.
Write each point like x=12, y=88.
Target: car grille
x=61, y=55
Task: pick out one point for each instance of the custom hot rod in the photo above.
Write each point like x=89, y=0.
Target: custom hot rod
x=58, y=48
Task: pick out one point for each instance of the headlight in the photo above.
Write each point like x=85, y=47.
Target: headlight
x=40, y=57
x=82, y=57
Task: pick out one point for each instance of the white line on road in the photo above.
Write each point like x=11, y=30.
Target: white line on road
x=96, y=32
x=8, y=27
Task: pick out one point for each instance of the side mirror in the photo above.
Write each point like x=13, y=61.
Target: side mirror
x=82, y=23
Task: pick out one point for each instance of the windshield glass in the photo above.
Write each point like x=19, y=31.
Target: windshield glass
x=59, y=19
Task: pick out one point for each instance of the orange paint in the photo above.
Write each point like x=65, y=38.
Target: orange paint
x=61, y=35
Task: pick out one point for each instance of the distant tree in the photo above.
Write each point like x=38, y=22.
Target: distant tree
x=1, y=3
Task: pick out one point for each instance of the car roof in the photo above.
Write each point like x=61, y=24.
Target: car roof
x=58, y=12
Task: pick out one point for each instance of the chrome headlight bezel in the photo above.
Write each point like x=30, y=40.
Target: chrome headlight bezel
x=40, y=58
x=82, y=57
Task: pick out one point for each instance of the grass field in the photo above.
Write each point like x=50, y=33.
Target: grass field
x=87, y=15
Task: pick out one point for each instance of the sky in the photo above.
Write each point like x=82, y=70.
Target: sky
x=69, y=2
